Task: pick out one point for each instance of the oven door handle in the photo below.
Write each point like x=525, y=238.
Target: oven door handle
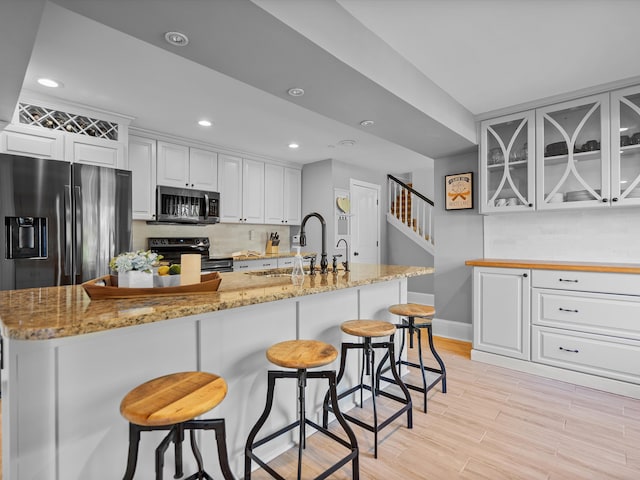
x=206, y=206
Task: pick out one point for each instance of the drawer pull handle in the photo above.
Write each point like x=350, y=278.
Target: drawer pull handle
x=567, y=310
x=568, y=350
x=567, y=280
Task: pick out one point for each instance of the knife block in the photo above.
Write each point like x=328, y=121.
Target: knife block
x=271, y=248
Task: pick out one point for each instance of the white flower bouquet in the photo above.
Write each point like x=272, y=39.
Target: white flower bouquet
x=140, y=260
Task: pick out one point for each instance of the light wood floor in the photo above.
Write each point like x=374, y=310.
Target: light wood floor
x=493, y=423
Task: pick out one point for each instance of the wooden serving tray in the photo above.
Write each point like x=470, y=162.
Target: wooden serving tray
x=209, y=282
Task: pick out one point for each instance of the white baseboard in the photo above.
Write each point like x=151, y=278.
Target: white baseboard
x=423, y=298
x=451, y=329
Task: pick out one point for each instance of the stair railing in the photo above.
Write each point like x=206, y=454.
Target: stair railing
x=411, y=207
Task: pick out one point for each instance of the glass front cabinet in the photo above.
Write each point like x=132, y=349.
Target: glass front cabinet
x=576, y=154
x=625, y=146
x=506, y=160
x=572, y=146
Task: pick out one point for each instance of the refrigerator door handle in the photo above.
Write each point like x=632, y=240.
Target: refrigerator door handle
x=68, y=249
x=77, y=251
x=206, y=206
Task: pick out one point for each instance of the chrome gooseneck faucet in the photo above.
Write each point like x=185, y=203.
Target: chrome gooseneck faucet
x=303, y=238
x=346, y=246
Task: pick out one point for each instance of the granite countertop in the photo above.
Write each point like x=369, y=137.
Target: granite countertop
x=270, y=255
x=556, y=265
x=55, y=312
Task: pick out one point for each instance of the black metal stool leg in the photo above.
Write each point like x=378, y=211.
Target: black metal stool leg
x=132, y=459
x=333, y=393
x=223, y=456
x=438, y=359
x=371, y=359
x=261, y=421
x=196, y=454
x=302, y=383
x=400, y=383
x=177, y=447
x=160, y=451
x=325, y=404
x=422, y=371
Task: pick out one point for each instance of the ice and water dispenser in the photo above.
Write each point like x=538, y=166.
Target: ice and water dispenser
x=26, y=237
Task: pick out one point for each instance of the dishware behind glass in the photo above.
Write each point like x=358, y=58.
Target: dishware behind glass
x=501, y=202
x=591, y=145
x=511, y=202
x=624, y=140
x=635, y=138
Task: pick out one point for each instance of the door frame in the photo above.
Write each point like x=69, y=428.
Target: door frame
x=359, y=183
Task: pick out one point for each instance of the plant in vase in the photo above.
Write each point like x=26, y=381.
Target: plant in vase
x=135, y=269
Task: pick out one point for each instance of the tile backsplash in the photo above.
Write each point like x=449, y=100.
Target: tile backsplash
x=225, y=238
x=600, y=235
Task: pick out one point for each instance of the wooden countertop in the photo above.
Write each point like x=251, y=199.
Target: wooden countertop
x=55, y=312
x=556, y=265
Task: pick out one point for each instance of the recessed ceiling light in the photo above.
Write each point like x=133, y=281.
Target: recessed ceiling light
x=367, y=123
x=295, y=92
x=624, y=129
x=204, y=123
x=47, y=82
x=347, y=143
x=176, y=38
x=293, y=145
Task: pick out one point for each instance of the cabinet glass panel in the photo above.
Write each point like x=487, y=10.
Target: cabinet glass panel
x=572, y=159
x=507, y=163
x=628, y=144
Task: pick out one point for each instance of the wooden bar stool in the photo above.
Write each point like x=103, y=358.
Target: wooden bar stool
x=369, y=329
x=425, y=313
x=301, y=355
x=172, y=402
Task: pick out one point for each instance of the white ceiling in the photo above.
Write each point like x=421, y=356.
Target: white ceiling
x=420, y=68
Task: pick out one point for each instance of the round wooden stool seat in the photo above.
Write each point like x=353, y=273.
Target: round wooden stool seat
x=173, y=398
x=368, y=328
x=301, y=354
x=413, y=310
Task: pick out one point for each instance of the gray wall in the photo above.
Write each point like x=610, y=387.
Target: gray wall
x=458, y=237
x=318, y=181
x=402, y=251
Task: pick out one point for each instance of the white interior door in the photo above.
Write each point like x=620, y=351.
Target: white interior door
x=365, y=223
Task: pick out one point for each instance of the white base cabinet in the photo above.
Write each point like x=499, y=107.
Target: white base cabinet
x=584, y=327
x=501, y=312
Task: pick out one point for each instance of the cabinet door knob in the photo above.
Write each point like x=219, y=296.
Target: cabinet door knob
x=355, y=254
x=531, y=204
x=525, y=275
x=605, y=200
x=614, y=199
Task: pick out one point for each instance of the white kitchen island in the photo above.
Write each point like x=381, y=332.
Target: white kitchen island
x=68, y=361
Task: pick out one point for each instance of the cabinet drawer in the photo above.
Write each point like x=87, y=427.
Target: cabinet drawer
x=583, y=352
x=617, y=315
x=621, y=283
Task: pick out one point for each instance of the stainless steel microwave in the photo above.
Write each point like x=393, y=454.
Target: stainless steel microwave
x=184, y=205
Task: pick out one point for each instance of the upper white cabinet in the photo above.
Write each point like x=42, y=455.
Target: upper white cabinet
x=282, y=196
x=32, y=142
x=584, y=153
x=184, y=167
x=507, y=158
x=572, y=154
x=625, y=146
x=241, y=190
x=142, y=162
x=252, y=191
x=94, y=151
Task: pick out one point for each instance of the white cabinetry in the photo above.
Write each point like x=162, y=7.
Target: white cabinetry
x=32, y=142
x=142, y=162
x=282, y=196
x=258, y=264
x=241, y=190
x=507, y=163
x=181, y=166
x=501, y=311
x=585, y=154
x=94, y=151
x=587, y=322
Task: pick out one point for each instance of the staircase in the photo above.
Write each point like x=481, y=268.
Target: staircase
x=411, y=213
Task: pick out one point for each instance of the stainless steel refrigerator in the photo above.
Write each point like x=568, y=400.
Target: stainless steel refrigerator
x=62, y=222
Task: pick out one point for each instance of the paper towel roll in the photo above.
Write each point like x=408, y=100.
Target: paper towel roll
x=190, y=268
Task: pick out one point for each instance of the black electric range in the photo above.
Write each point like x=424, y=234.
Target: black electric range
x=172, y=247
